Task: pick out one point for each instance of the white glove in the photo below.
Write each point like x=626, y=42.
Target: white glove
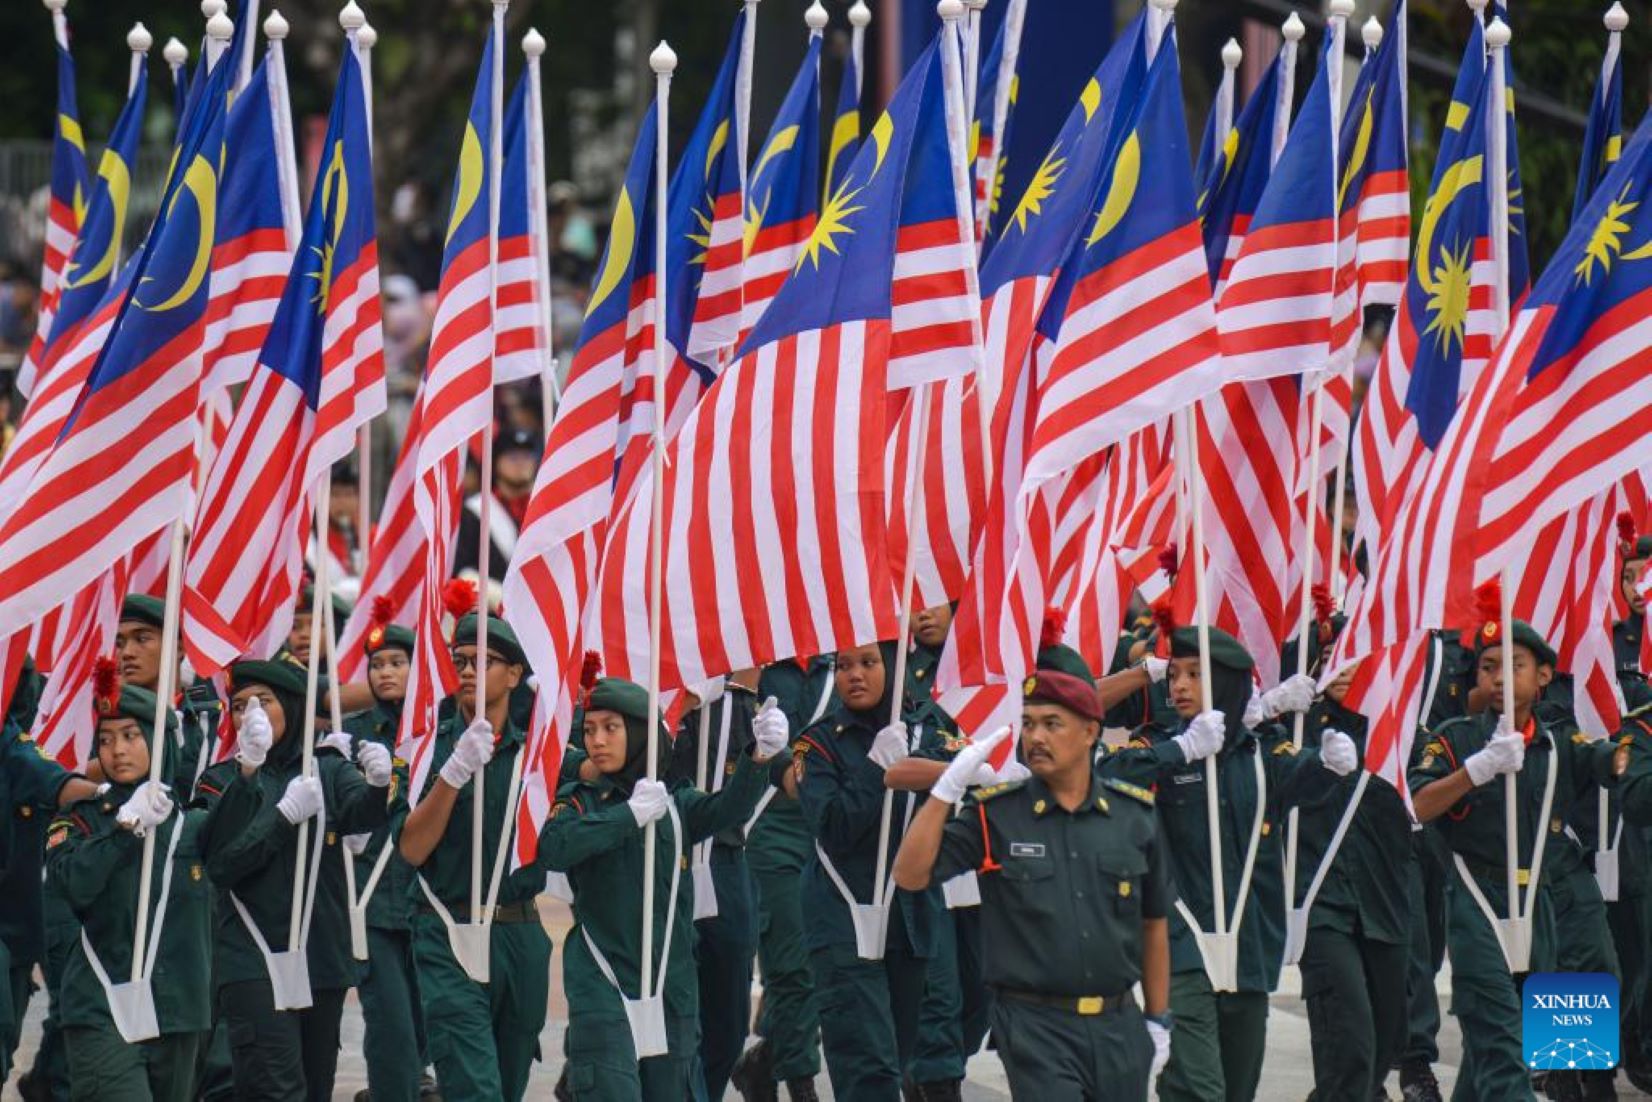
x=1505, y=753
x=1156, y=667
x=357, y=843
x=339, y=741
x=770, y=731
x=890, y=746
x=1014, y=772
x=301, y=801
x=649, y=800
x=254, y=736
x=1161, y=1048
x=961, y=772
x=709, y=692
x=1255, y=711
x=473, y=751
x=374, y=760
x=147, y=808
x=1294, y=694
x=1338, y=753
x=1203, y=737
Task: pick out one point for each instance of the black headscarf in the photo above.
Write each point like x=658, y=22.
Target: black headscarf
x=1229, y=671
x=878, y=715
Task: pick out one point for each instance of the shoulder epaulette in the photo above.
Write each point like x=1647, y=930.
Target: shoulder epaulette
x=1125, y=788
x=993, y=791
x=807, y=744
x=1287, y=747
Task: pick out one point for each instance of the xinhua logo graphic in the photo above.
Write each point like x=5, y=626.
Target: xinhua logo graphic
x=1570, y=1020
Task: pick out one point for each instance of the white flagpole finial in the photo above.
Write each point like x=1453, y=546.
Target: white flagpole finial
x=1293, y=28
x=175, y=52
x=55, y=6
x=859, y=14
x=219, y=28
x=815, y=18
x=1616, y=19
x=976, y=5
x=1498, y=34
x=210, y=8
x=663, y=60
x=351, y=17
x=1166, y=6
x=1232, y=54
x=1342, y=8
x=367, y=37
x=138, y=39
x=950, y=9
x=1479, y=6
x=533, y=43
x=1372, y=33
x=275, y=26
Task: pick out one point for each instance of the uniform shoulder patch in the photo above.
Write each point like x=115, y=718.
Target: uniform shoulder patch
x=1581, y=738
x=993, y=791
x=1286, y=748
x=1125, y=788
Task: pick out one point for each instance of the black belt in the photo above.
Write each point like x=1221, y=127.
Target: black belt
x=505, y=914
x=1086, y=1005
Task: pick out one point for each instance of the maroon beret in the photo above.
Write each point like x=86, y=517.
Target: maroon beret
x=1055, y=687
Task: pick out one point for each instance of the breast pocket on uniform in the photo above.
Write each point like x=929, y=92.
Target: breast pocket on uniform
x=1028, y=863
x=1121, y=878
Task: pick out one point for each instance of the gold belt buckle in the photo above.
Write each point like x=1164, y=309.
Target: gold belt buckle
x=1523, y=877
x=1091, y=1004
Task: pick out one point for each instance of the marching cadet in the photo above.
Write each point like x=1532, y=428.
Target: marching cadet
x=929, y=631
x=1634, y=762
x=255, y=804
x=138, y=650
x=1075, y=892
x=483, y=1038
x=596, y=835
x=1630, y=914
x=725, y=943
x=94, y=858
x=389, y=984
x=1218, y=1038
x=869, y=963
x=1457, y=783
x=1627, y=633
x=788, y=1016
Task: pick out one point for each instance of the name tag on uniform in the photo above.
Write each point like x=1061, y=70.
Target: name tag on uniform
x=1189, y=778
x=1026, y=849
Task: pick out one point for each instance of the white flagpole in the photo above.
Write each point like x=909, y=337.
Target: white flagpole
x=1232, y=55
x=176, y=55
x=243, y=64
x=533, y=46
x=1297, y=919
x=138, y=40
x=742, y=90
x=286, y=157
x=60, y=23
x=860, y=17
x=366, y=39
x=971, y=31
x=664, y=62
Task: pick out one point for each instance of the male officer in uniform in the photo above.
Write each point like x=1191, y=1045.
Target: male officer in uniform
x=1075, y=894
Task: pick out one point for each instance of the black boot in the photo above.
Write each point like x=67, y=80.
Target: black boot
x=753, y=1075
x=562, y=1092
x=1417, y=1082
x=801, y=1090
x=1599, y=1086
x=942, y=1090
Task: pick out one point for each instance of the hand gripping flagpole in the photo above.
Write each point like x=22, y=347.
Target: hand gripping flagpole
x=533, y=47
x=1296, y=918
x=664, y=62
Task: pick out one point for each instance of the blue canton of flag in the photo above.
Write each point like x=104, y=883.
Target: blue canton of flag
x=1374, y=185
x=1603, y=140
x=1234, y=185
x=845, y=136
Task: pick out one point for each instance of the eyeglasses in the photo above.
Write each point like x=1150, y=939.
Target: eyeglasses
x=463, y=662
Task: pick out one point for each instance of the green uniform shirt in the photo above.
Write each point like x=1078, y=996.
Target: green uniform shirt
x=1473, y=827
x=1365, y=888
x=736, y=708
x=199, y=715
x=447, y=869
x=1626, y=650
x=1634, y=787
x=921, y=662
x=389, y=907
x=96, y=867
x=29, y=787
x=780, y=838
x=251, y=851
x=1456, y=675
x=593, y=838
x=1063, y=894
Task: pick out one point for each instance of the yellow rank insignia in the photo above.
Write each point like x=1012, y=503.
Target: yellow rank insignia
x=1124, y=889
x=1286, y=748
x=195, y=872
x=332, y=838
x=1134, y=791
x=1029, y=686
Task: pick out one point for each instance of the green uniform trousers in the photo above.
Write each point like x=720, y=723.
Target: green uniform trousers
x=1430, y=887
x=483, y=1039
x=1355, y=991
x=724, y=948
x=281, y=1055
x=1486, y=999
x=1216, y=1044
x=603, y=1064
x=51, y=1061
x=104, y=1068
x=392, y=1017
x=1627, y=918
x=977, y=995
x=1051, y=1054
x=939, y=1053
x=217, y=1074
x=1583, y=937
x=790, y=1016
x=869, y=1017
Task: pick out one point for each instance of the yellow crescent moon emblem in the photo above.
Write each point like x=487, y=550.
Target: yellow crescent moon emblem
x=112, y=170
x=622, y=238
x=335, y=207
x=201, y=182
x=69, y=127
x=844, y=131
x=469, y=188
x=780, y=143
x=974, y=141
x=719, y=138
x=1361, y=150
x=1459, y=177
x=882, y=133
x=1121, y=192
x=1090, y=98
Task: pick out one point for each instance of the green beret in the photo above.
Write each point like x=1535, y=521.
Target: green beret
x=501, y=639
x=1064, y=659
x=284, y=676
x=1225, y=650
x=142, y=609
x=306, y=603
x=1491, y=635
x=387, y=636
x=1641, y=550
x=137, y=704
x=615, y=694
x=1070, y=691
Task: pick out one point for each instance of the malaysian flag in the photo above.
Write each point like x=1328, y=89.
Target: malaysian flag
x=1233, y=187
x=519, y=336
x=782, y=195
x=995, y=97
x=1275, y=310
x=319, y=378
x=1374, y=190
x=121, y=467
x=65, y=723
x=786, y=450
x=845, y=136
x=1603, y=138
x=65, y=203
